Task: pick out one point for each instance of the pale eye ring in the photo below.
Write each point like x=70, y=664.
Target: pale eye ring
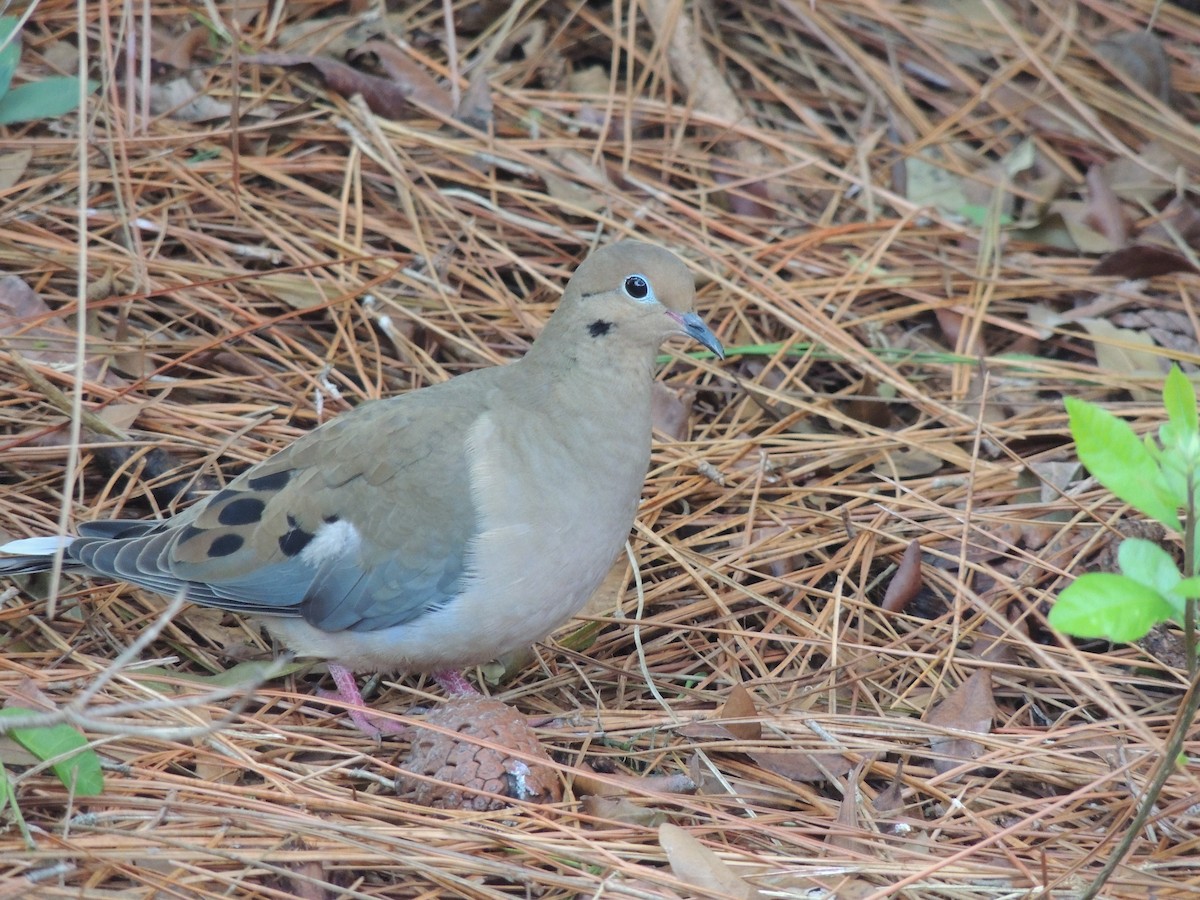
x=637, y=287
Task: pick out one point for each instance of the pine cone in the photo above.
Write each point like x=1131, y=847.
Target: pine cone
x=462, y=767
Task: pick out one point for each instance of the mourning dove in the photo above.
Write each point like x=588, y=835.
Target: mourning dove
x=443, y=527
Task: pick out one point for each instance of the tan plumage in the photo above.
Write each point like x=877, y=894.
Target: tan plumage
x=445, y=526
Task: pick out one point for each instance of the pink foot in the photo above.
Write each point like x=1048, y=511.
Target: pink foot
x=454, y=683
x=347, y=692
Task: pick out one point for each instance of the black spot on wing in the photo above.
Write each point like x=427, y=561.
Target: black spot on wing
x=294, y=539
x=226, y=544
x=242, y=511
x=273, y=481
x=599, y=328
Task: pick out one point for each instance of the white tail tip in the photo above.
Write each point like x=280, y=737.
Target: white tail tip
x=38, y=546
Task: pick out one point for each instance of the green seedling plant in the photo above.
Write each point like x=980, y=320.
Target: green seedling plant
x=63, y=748
x=1160, y=478
x=47, y=98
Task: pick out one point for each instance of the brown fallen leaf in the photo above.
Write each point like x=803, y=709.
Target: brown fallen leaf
x=867, y=406
x=217, y=628
x=697, y=866
x=1168, y=328
x=891, y=798
x=178, y=88
x=1139, y=261
x=910, y=462
x=970, y=707
x=12, y=166
x=1075, y=218
x=476, y=107
x=1104, y=210
x=30, y=327
x=121, y=416
x=1140, y=55
x=906, y=582
x=309, y=879
x=709, y=730
x=842, y=836
x=1178, y=221
x=622, y=809
x=176, y=51
x=297, y=289
x=1136, y=178
x=739, y=705
x=384, y=97
x=407, y=74
x=803, y=766
x=1123, y=352
x=587, y=783
x=749, y=788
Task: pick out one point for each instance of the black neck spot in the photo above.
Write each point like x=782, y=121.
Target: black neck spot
x=599, y=328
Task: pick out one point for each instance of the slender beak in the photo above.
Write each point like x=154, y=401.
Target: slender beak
x=693, y=326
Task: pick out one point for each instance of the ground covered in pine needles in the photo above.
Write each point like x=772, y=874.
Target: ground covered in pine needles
x=916, y=226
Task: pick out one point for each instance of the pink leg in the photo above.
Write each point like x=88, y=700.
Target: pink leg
x=347, y=692
x=454, y=683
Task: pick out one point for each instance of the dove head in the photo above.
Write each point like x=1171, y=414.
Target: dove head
x=633, y=295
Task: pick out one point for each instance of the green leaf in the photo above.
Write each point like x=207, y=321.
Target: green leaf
x=45, y=99
x=1179, y=399
x=246, y=674
x=11, y=54
x=1121, y=462
x=8, y=797
x=80, y=767
x=1147, y=562
x=1188, y=589
x=1105, y=605
x=979, y=215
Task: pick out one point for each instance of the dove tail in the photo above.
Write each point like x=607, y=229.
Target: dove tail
x=31, y=555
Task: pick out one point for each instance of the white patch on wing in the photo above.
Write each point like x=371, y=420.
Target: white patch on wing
x=37, y=546
x=333, y=541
